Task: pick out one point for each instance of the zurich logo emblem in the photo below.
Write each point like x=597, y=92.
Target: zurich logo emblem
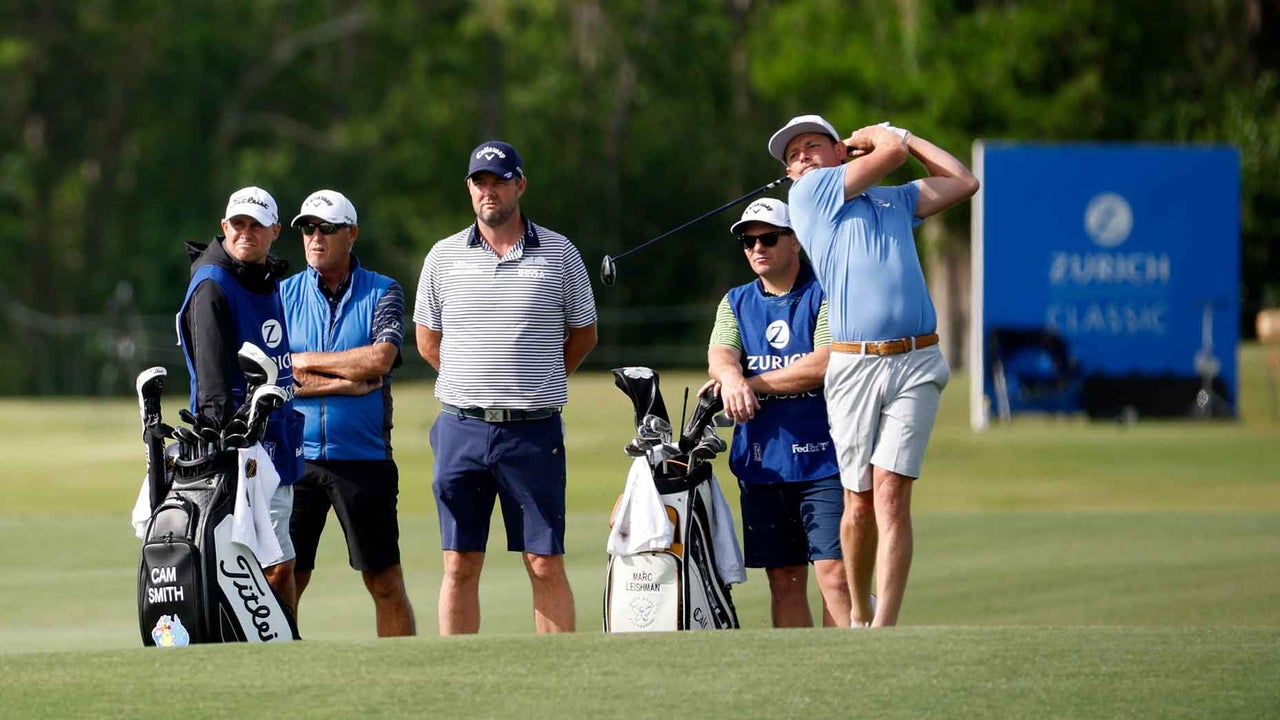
x=1108, y=219
x=778, y=334
x=272, y=334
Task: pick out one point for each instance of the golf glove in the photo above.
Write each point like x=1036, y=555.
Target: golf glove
x=904, y=134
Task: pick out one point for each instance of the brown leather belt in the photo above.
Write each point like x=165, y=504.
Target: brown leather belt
x=886, y=347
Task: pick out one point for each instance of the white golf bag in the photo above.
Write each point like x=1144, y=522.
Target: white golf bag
x=680, y=586
x=673, y=550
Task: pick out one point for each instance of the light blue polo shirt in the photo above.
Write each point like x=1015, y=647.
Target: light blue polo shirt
x=864, y=254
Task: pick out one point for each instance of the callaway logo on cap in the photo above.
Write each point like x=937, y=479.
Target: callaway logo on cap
x=329, y=206
x=765, y=210
x=497, y=157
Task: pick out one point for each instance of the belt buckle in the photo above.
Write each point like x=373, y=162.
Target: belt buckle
x=495, y=415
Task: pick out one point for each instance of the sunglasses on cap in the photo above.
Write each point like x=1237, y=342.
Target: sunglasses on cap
x=324, y=228
x=768, y=239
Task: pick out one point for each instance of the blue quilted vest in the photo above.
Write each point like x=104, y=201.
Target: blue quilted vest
x=339, y=427
x=788, y=440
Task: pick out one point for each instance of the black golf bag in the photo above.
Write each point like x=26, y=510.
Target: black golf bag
x=195, y=585
x=675, y=582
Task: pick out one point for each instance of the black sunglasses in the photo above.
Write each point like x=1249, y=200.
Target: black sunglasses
x=324, y=228
x=768, y=239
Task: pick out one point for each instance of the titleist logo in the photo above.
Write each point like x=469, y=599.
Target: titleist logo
x=251, y=594
x=250, y=200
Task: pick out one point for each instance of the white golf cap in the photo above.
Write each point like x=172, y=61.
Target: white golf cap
x=798, y=125
x=764, y=210
x=328, y=205
x=254, y=202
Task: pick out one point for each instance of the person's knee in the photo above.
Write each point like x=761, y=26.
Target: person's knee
x=385, y=584
x=859, y=509
x=786, y=582
x=463, y=568
x=547, y=569
x=830, y=575
x=892, y=495
x=279, y=572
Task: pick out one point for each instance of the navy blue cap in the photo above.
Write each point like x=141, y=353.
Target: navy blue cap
x=497, y=157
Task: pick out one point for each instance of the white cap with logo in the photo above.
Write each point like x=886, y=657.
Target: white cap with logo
x=765, y=210
x=328, y=205
x=254, y=202
x=798, y=125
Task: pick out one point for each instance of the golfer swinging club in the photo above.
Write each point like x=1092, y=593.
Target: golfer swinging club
x=886, y=371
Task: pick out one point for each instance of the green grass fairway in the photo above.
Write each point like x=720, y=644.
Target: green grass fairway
x=1063, y=569
x=917, y=672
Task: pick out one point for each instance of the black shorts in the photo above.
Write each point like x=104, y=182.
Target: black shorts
x=362, y=494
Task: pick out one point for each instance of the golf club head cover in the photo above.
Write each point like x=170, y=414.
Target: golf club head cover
x=258, y=369
x=709, y=403
x=150, y=386
x=266, y=399
x=641, y=385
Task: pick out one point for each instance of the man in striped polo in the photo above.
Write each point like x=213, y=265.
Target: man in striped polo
x=886, y=372
x=504, y=312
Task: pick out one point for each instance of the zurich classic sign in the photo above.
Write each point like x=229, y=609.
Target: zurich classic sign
x=1129, y=253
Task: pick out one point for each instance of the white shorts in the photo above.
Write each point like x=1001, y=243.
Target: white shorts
x=881, y=409
x=281, y=510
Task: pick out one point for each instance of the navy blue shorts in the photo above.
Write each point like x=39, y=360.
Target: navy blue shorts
x=520, y=462
x=791, y=523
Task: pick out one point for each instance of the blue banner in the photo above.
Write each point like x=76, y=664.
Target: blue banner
x=1129, y=254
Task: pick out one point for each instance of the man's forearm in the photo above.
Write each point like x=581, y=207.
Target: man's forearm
x=949, y=181
x=938, y=162
x=804, y=374
x=362, y=363
x=576, y=346
x=723, y=364
x=311, y=385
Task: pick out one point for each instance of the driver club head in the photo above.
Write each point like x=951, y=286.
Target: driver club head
x=258, y=369
x=608, y=271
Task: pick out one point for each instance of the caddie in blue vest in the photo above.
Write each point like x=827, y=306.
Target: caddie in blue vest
x=346, y=324
x=768, y=353
x=233, y=298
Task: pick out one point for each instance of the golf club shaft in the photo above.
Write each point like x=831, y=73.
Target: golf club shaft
x=722, y=208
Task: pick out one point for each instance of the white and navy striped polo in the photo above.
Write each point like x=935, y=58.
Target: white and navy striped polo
x=503, y=321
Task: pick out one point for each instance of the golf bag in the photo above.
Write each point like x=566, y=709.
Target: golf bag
x=672, y=550
x=195, y=585
x=202, y=509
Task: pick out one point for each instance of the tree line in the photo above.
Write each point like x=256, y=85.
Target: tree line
x=128, y=122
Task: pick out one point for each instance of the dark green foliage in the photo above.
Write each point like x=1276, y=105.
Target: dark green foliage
x=128, y=123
